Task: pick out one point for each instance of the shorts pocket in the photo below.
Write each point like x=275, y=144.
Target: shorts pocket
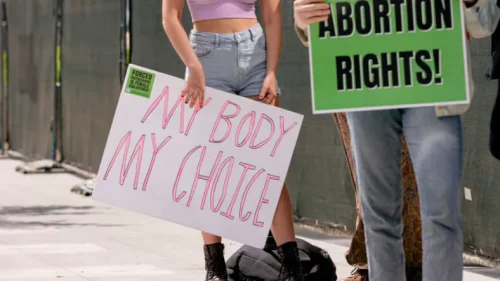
x=261, y=42
x=202, y=50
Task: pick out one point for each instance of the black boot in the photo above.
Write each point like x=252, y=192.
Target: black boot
x=215, y=263
x=291, y=269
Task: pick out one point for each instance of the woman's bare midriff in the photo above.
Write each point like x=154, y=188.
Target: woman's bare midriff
x=224, y=26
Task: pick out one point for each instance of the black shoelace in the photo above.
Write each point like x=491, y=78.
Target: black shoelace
x=286, y=273
x=215, y=269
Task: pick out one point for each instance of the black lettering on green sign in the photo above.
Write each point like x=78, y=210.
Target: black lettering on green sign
x=391, y=65
x=363, y=17
x=381, y=17
x=366, y=17
x=140, y=82
x=388, y=70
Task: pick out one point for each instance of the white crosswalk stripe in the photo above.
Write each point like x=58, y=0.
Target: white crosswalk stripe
x=477, y=277
x=88, y=271
x=6, y=232
x=59, y=248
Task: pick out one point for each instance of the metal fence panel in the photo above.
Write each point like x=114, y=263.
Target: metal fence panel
x=4, y=107
x=90, y=78
x=31, y=74
x=150, y=45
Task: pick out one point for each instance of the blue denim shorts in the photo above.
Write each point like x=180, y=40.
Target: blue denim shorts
x=234, y=63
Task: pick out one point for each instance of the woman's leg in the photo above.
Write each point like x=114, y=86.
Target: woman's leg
x=284, y=235
x=284, y=232
x=282, y=227
x=435, y=145
x=215, y=264
x=209, y=239
x=412, y=233
x=214, y=55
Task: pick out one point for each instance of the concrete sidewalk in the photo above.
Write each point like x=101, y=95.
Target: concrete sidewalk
x=49, y=233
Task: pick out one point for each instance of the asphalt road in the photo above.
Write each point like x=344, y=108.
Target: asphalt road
x=49, y=233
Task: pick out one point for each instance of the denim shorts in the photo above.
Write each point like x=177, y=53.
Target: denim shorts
x=234, y=63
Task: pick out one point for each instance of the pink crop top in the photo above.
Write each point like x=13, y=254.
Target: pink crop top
x=221, y=9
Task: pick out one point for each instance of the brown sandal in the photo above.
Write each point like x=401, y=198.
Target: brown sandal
x=358, y=274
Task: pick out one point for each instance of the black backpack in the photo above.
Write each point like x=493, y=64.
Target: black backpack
x=252, y=264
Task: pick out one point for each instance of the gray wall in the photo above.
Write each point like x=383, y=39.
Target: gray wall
x=481, y=170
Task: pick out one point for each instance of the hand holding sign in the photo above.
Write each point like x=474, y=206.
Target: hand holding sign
x=268, y=93
x=307, y=12
x=194, y=92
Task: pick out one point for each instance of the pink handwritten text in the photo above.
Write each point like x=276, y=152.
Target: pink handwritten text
x=167, y=116
x=230, y=110
x=138, y=151
x=212, y=181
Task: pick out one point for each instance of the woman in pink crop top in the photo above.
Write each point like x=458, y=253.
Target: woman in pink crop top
x=229, y=51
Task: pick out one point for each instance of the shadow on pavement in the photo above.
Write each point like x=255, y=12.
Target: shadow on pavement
x=43, y=210
x=6, y=214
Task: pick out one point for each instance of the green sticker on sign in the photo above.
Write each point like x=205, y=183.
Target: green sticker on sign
x=140, y=82
x=381, y=54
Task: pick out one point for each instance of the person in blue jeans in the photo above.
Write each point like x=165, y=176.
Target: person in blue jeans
x=434, y=138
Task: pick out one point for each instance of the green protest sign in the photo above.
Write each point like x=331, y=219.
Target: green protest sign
x=140, y=82
x=381, y=54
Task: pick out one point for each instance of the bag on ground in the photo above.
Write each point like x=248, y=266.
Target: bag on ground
x=252, y=264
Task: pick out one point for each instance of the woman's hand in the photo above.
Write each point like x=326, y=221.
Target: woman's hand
x=268, y=93
x=195, y=88
x=171, y=19
x=307, y=12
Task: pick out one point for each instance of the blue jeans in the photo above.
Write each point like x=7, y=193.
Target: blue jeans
x=233, y=63
x=435, y=146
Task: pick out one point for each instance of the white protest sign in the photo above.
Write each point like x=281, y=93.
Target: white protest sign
x=219, y=168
